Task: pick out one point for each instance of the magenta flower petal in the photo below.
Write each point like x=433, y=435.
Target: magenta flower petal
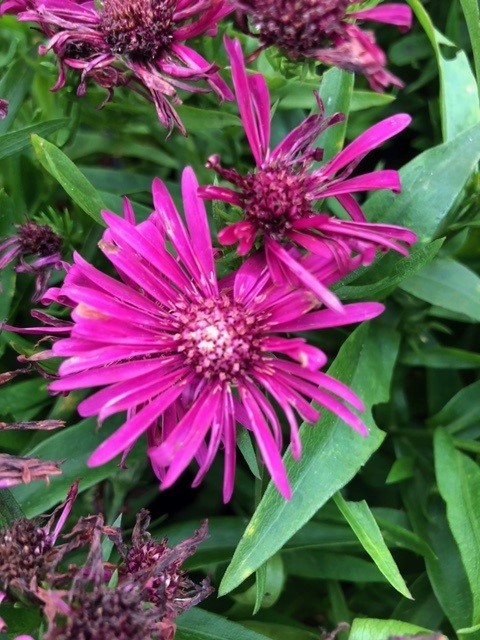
x=366, y=142
x=397, y=14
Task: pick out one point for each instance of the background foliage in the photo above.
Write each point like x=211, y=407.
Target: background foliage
x=383, y=532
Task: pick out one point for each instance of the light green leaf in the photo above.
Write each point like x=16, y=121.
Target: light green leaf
x=69, y=176
x=270, y=580
x=456, y=79
x=336, y=92
x=360, y=518
x=448, y=284
x=198, y=624
x=332, y=454
x=374, y=629
x=458, y=478
x=472, y=16
x=431, y=184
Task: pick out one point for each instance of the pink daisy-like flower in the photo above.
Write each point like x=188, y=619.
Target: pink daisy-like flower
x=278, y=197
x=325, y=30
x=36, y=249
x=140, y=43
x=190, y=357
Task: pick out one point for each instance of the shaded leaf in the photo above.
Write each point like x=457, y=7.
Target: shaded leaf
x=458, y=480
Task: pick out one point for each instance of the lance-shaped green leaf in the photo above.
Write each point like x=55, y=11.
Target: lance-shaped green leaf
x=456, y=79
x=458, y=478
x=336, y=93
x=471, y=10
x=375, y=629
x=447, y=284
x=332, y=454
x=365, y=527
x=17, y=141
x=69, y=177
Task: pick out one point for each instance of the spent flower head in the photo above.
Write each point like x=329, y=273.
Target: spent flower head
x=36, y=249
x=189, y=356
x=28, y=554
x=159, y=567
x=141, y=43
x=278, y=197
x=326, y=30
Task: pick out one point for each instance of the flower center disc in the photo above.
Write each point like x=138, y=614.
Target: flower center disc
x=218, y=338
x=274, y=197
x=298, y=26
x=141, y=29
x=38, y=239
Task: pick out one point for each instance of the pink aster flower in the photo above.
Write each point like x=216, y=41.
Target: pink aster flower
x=189, y=356
x=140, y=43
x=36, y=249
x=278, y=197
x=325, y=30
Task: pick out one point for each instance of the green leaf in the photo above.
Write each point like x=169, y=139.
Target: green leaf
x=336, y=92
x=458, y=480
x=17, y=141
x=472, y=16
x=461, y=411
x=198, y=624
x=13, y=87
x=332, y=454
x=360, y=518
x=431, y=184
x=197, y=120
x=388, y=272
x=367, y=99
x=402, y=469
x=319, y=565
x=374, y=629
x=280, y=631
x=442, y=358
x=447, y=284
x=456, y=79
x=69, y=176
x=267, y=588
x=73, y=445
x=426, y=512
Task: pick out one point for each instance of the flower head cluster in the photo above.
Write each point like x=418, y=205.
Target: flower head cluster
x=190, y=357
x=325, y=30
x=140, y=43
x=278, y=197
x=36, y=249
x=151, y=589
